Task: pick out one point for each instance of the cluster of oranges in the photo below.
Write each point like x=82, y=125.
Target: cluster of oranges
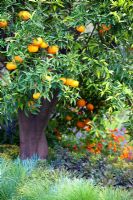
x=104, y=29
x=38, y=43
x=74, y=83
x=32, y=48
x=13, y=64
x=82, y=103
x=70, y=82
x=84, y=124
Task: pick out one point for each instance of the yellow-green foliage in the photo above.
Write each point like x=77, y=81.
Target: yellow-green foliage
x=8, y=151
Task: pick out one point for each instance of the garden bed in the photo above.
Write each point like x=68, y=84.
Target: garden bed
x=25, y=181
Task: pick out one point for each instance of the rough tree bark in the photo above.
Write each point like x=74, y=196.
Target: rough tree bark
x=32, y=138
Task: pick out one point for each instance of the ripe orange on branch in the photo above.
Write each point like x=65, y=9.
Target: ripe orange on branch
x=81, y=103
x=18, y=59
x=90, y=107
x=80, y=124
x=24, y=15
x=68, y=118
x=32, y=48
x=11, y=66
x=72, y=83
x=53, y=49
x=36, y=95
x=75, y=84
x=80, y=29
x=3, y=24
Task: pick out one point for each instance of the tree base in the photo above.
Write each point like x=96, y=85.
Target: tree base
x=32, y=138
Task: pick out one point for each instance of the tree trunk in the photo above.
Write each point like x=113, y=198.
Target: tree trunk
x=32, y=138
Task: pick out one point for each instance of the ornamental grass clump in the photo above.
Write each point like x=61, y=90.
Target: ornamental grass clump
x=11, y=177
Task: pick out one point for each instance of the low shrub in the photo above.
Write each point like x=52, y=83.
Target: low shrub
x=102, y=170
x=9, y=151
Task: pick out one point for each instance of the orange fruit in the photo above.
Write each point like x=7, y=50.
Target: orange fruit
x=38, y=41
x=80, y=124
x=63, y=80
x=69, y=81
x=90, y=107
x=24, y=15
x=72, y=83
x=75, y=84
x=68, y=118
x=3, y=24
x=33, y=48
x=81, y=103
x=36, y=95
x=53, y=49
x=18, y=59
x=11, y=66
x=43, y=45
x=80, y=29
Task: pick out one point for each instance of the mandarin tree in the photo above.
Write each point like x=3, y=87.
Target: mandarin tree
x=55, y=51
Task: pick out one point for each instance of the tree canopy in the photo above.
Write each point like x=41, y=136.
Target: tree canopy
x=86, y=52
